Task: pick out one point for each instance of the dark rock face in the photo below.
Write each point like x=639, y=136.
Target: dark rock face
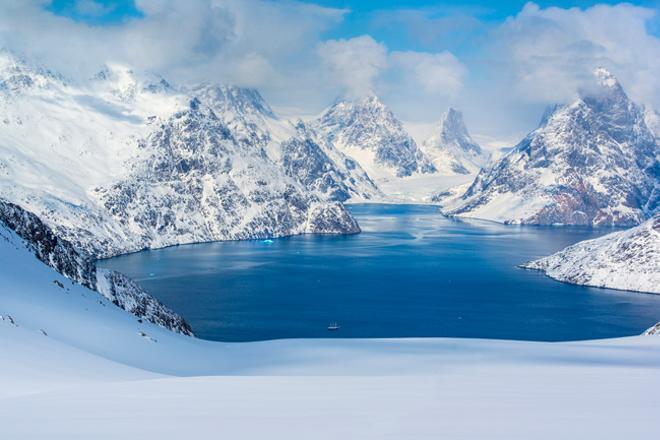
x=47, y=247
x=322, y=168
x=304, y=159
x=126, y=294
x=367, y=124
x=76, y=265
x=593, y=162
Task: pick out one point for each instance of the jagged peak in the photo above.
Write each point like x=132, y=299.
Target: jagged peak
x=362, y=101
x=451, y=130
x=371, y=101
x=605, y=90
x=244, y=100
x=16, y=72
x=370, y=105
x=123, y=79
x=452, y=120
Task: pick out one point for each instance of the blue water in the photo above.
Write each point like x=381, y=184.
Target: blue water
x=411, y=272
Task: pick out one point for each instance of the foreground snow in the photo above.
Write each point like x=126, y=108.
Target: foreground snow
x=76, y=366
x=626, y=260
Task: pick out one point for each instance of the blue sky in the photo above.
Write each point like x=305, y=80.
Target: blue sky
x=500, y=62
x=101, y=12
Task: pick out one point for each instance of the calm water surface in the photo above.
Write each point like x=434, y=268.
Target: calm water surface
x=410, y=273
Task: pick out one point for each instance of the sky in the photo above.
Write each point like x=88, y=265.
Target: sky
x=501, y=63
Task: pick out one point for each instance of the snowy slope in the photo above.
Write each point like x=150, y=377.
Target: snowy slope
x=452, y=149
x=592, y=162
x=125, y=161
x=27, y=239
x=626, y=260
x=75, y=366
x=368, y=132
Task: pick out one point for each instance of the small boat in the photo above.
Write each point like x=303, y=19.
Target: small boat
x=334, y=326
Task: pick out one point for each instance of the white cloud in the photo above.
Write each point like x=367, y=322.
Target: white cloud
x=436, y=73
x=354, y=63
x=362, y=65
x=553, y=51
x=502, y=80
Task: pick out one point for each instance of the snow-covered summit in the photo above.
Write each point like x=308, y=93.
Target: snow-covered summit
x=321, y=167
x=17, y=75
x=126, y=84
x=296, y=147
x=591, y=162
x=626, y=260
x=451, y=147
x=241, y=100
x=367, y=131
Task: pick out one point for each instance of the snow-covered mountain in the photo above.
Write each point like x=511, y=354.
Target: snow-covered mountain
x=316, y=163
x=303, y=154
x=626, y=260
x=126, y=161
x=452, y=149
x=368, y=132
x=592, y=162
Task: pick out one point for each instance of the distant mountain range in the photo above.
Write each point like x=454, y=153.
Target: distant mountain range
x=127, y=161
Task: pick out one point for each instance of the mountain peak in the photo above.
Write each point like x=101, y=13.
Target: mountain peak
x=372, y=100
x=452, y=120
x=604, y=92
x=367, y=124
x=126, y=83
x=452, y=148
x=232, y=98
x=17, y=74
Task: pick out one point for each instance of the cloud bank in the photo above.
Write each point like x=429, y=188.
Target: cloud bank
x=501, y=74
